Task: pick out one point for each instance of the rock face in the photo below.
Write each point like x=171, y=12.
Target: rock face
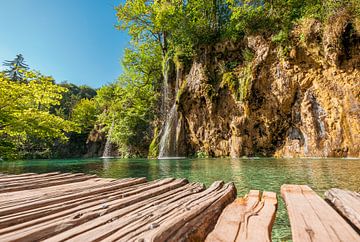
x=300, y=104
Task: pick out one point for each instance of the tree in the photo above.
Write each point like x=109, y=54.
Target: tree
x=71, y=97
x=16, y=68
x=131, y=102
x=85, y=114
x=25, y=111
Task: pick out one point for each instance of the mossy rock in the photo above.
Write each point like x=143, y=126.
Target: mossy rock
x=154, y=145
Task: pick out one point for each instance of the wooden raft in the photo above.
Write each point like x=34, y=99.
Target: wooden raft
x=312, y=219
x=347, y=203
x=246, y=219
x=78, y=207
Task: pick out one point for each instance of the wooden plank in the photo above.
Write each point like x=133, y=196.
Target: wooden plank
x=66, y=207
x=246, y=219
x=39, y=180
x=7, y=178
x=189, y=219
x=19, y=175
x=312, y=219
x=51, y=225
x=347, y=203
x=37, y=212
x=46, y=184
x=107, y=224
x=19, y=197
x=58, y=209
x=67, y=197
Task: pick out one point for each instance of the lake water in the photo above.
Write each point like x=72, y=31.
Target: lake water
x=261, y=174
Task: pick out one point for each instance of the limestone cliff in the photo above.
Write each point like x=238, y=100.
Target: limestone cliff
x=254, y=98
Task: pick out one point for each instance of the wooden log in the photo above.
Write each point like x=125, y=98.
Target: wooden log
x=188, y=219
x=246, y=219
x=39, y=180
x=32, y=214
x=17, y=198
x=65, y=209
x=312, y=219
x=46, y=184
x=107, y=224
x=7, y=178
x=56, y=223
x=72, y=202
x=19, y=175
x=347, y=203
x=66, y=197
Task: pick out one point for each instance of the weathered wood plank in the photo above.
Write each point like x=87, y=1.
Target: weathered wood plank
x=38, y=212
x=47, y=184
x=188, y=219
x=17, y=198
x=107, y=224
x=8, y=178
x=20, y=175
x=66, y=197
x=347, y=203
x=312, y=219
x=246, y=219
x=88, y=199
x=39, y=180
x=51, y=225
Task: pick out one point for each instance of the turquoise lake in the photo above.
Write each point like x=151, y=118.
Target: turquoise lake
x=257, y=173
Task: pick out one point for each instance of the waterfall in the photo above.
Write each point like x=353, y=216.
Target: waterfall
x=168, y=141
x=108, y=146
x=168, y=146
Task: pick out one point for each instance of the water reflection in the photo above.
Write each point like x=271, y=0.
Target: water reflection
x=262, y=174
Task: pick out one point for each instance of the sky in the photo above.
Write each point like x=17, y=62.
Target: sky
x=70, y=40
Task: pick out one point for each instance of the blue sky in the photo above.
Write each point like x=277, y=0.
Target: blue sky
x=71, y=40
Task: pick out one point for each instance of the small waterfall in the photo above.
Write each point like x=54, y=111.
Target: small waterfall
x=108, y=146
x=168, y=146
x=168, y=141
x=166, y=89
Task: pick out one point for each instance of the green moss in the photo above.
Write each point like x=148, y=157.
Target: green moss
x=229, y=79
x=181, y=91
x=182, y=58
x=247, y=55
x=154, y=147
x=238, y=84
x=245, y=80
x=201, y=154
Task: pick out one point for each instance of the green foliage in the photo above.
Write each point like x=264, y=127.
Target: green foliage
x=71, y=97
x=154, y=148
x=175, y=24
x=131, y=101
x=247, y=55
x=25, y=111
x=249, y=16
x=238, y=83
x=201, y=154
x=85, y=114
x=229, y=79
x=277, y=17
x=245, y=79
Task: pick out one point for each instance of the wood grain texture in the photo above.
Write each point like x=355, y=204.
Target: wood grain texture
x=79, y=207
x=347, y=203
x=312, y=219
x=246, y=219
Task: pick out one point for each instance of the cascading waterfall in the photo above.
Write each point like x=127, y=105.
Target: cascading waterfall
x=168, y=146
x=108, y=146
x=168, y=141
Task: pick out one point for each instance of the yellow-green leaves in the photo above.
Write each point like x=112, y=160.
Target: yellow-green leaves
x=25, y=109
